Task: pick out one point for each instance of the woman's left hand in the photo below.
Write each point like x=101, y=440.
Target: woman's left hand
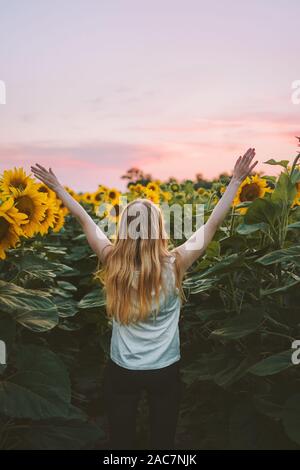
x=243, y=165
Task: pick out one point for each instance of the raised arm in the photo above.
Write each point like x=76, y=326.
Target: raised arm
x=196, y=245
x=95, y=236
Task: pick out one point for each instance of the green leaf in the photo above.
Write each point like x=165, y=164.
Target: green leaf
x=295, y=176
x=285, y=190
x=213, y=249
x=198, y=285
x=59, y=434
x=247, y=229
x=68, y=286
x=31, y=308
x=272, y=364
x=41, y=268
x=66, y=307
x=294, y=225
x=225, y=265
x=286, y=284
x=291, y=418
x=283, y=163
x=267, y=407
x=93, y=299
x=241, y=325
x=278, y=256
x=40, y=388
x=262, y=211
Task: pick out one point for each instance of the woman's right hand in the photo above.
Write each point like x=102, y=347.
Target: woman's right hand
x=47, y=177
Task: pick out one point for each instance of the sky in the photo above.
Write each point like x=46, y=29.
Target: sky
x=173, y=87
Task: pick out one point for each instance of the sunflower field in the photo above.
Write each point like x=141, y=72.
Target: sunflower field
x=241, y=388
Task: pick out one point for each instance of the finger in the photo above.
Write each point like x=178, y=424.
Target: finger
x=41, y=176
x=252, y=166
x=249, y=154
x=238, y=161
x=41, y=167
x=38, y=172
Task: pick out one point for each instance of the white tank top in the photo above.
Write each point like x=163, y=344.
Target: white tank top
x=153, y=343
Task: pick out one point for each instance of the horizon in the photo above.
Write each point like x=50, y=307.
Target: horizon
x=172, y=88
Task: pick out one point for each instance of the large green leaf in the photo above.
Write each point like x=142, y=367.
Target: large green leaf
x=41, y=268
x=273, y=364
x=225, y=265
x=285, y=190
x=225, y=368
x=295, y=225
x=262, y=211
x=241, y=325
x=196, y=286
x=40, y=387
x=247, y=229
x=33, y=309
x=66, y=307
x=278, y=256
x=59, y=434
x=283, y=163
x=93, y=299
x=291, y=418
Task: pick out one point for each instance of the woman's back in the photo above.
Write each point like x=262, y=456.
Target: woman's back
x=154, y=342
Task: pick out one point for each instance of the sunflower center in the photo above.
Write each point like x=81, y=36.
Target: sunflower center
x=25, y=205
x=98, y=197
x=18, y=183
x=43, y=189
x=4, y=227
x=111, y=194
x=249, y=192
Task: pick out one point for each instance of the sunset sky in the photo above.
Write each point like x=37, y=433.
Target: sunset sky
x=173, y=87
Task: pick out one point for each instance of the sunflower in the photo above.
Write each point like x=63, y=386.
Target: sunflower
x=50, y=217
x=14, y=179
x=296, y=201
x=88, y=197
x=11, y=221
x=113, y=212
x=112, y=195
x=174, y=187
x=137, y=188
x=153, y=186
x=59, y=220
x=43, y=188
x=61, y=206
x=251, y=188
x=166, y=196
x=99, y=194
x=31, y=202
x=152, y=195
x=201, y=191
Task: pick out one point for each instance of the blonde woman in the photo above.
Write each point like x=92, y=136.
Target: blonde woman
x=142, y=281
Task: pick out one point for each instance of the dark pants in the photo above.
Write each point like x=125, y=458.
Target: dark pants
x=122, y=391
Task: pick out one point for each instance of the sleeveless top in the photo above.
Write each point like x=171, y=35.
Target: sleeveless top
x=153, y=343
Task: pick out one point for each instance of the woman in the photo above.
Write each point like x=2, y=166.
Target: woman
x=142, y=280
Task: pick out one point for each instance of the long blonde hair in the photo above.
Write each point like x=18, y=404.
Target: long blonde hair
x=145, y=252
